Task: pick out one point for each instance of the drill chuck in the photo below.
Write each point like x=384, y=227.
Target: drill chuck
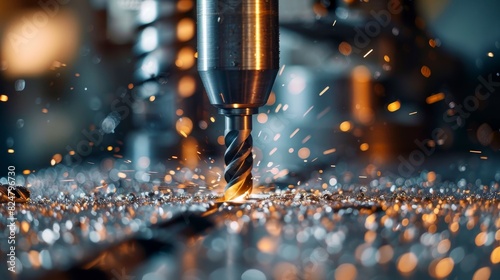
x=238, y=51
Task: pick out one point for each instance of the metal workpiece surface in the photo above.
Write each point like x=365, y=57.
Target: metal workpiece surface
x=169, y=224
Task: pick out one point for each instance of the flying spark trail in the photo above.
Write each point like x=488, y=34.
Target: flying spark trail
x=281, y=70
x=294, y=132
x=369, y=52
x=308, y=110
x=278, y=108
x=323, y=91
x=329, y=151
x=307, y=138
x=413, y=113
x=334, y=22
x=323, y=113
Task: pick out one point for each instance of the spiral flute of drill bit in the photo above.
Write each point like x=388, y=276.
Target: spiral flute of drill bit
x=238, y=157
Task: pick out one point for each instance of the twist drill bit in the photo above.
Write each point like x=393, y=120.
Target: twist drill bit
x=238, y=156
x=238, y=60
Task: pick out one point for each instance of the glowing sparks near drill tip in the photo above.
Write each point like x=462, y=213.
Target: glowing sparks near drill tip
x=364, y=147
x=323, y=113
x=308, y=110
x=323, y=91
x=278, y=107
x=329, y=151
x=475, y=152
x=334, y=22
x=369, y=52
x=345, y=126
x=434, y=98
x=281, y=70
x=394, y=106
x=294, y=132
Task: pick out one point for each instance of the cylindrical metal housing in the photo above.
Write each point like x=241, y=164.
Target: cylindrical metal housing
x=238, y=51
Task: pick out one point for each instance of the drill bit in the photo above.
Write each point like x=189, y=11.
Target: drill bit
x=238, y=156
x=238, y=60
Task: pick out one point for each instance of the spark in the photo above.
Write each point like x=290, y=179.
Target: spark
x=329, y=151
x=413, y=113
x=278, y=107
x=334, y=22
x=273, y=151
x=483, y=157
x=425, y=71
x=490, y=54
x=281, y=70
x=323, y=113
x=294, y=132
x=307, y=138
x=394, y=106
x=345, y=126
x=366, y=54
x=434, y=98
x=4, y=98
x=364, y=147
x=282, y=173
x=308, y=110
x=324, y=90
x=362, y=177
x=475, y=152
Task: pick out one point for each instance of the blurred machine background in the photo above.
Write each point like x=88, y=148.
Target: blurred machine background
x=370, y=81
